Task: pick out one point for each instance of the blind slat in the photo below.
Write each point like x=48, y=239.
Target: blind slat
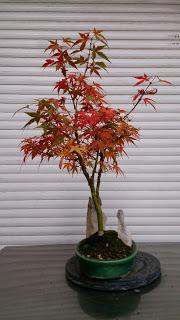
x=86, y=25
x=115, y=37
x=113, y=16
x=80, y=221
x=56, y=177
x=43, y=7
x=81, y=186
x=54, y=204
x=80, y=212
x=114, y=72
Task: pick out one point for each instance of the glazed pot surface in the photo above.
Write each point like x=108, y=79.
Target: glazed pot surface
x=106, y=269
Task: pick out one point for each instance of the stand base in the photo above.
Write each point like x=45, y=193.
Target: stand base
x=145, y=271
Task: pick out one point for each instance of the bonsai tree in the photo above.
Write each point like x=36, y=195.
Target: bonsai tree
x=79, y=128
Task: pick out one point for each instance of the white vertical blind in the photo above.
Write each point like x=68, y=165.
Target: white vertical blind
x=44, y=205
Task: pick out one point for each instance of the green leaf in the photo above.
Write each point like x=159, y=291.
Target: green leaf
x=101, y=64
x=35, y=115
x=101, y=35
x=102, y=55
x=102, y=40
x=28, y=123
x=46, y=128
x=81, y=60
x=93, y=55
x=31, y=114
x=98, y=48
x=50, y=111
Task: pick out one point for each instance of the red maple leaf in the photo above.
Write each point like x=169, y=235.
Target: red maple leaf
x=141, y=79
x=48, y=63
x=61, y=85
x=149, y=101
x=165, y=81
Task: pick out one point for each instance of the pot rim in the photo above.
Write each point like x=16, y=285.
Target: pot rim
x=112, y=261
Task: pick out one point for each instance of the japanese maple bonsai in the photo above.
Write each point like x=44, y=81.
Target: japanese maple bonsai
x=83, y=131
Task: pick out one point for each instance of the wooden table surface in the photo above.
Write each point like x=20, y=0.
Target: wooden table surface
x=33, y=287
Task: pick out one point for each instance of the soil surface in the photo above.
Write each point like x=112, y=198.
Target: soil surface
x=106, y=247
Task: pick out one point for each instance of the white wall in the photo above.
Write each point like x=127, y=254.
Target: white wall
x=43, y=205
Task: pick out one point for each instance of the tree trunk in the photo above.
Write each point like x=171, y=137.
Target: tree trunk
x=99, y=212
x=92, y=218
x=97, y=205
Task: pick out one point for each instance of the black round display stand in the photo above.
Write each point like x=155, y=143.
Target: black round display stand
x=145, y=271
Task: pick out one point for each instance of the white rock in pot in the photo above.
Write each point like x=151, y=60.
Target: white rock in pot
x=91, y=221
x=123, y=233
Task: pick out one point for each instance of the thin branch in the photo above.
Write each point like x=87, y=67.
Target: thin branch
x=140, y=98
x=85, y=71
x=95, y=165
x=99, y=174
x=88, y=58
x=75, y=101
x=83, y=167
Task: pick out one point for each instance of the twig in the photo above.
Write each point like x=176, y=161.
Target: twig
x=139, y=100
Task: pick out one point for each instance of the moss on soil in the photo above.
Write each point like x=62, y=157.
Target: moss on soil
x=105, y=247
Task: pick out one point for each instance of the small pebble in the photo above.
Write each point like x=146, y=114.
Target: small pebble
x=137, y=290
x=100, y=257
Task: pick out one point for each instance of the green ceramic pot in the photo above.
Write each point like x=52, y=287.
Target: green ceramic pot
x=106, y=269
